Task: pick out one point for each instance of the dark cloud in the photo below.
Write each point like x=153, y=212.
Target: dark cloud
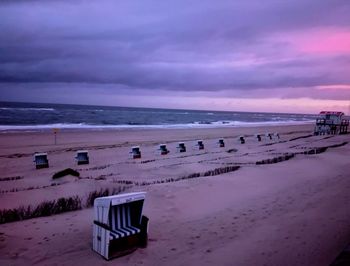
x=182, y=45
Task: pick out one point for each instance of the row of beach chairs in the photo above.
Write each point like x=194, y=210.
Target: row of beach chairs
x=82, y=156
x=41, y=161
x=136, y=152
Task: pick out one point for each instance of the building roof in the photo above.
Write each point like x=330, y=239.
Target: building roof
x=331, y=113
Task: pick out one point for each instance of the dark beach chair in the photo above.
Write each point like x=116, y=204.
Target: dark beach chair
x=221, y=143
x=181, y=147
x=163, y=149
x=119, y=226
x=268, y=136
x=135, y=152
x=258, y=137
x=41, y=160
x=200, y=144
x=241, y=139
x=82, y=157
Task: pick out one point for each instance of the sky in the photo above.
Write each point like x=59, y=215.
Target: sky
x=248, y=55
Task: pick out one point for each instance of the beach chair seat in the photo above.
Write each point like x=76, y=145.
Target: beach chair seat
x=119, y=226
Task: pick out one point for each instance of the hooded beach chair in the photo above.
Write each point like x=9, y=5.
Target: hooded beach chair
x=258, y=137
x=200, y=144
x=268, y=136
x=276, y=135
x=163, y=149
x=181, y=147
x=41, y=160
x=135, y=152
x=241, y=139
x=221, y=143
x=82, y=157
x=119, y=226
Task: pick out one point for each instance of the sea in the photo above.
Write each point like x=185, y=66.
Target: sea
x=40, y=116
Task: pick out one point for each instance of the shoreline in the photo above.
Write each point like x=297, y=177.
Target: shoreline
x=214, y=125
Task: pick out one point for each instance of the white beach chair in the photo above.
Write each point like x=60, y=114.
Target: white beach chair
x=82, y=157
x=276, y=135
x=41, y=160
x=119, y=226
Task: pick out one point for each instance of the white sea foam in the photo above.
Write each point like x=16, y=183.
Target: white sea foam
x=216, y=124
x=26, y=109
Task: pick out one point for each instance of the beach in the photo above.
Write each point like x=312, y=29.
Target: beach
x=276, y=202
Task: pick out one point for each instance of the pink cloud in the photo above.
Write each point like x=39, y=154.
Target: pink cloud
x=334, y=87
x=323, y=41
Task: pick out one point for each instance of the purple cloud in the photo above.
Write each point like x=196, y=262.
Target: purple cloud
x=238, y=48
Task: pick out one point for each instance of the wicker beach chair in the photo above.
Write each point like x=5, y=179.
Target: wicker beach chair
x=221, y=143
x=241, y=139
x=163, y=149
x=41, y=160
x=200, y=144
x=268, y=136
x=119, y=226
x=181, y=147
x=276, y=135
x=82, y=157
x=135, y=152
x=258, y=137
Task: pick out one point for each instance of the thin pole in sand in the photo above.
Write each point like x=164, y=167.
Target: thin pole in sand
x=55, y=130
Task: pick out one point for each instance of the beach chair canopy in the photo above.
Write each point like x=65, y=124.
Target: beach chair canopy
x=135, y=149
x=104, y=205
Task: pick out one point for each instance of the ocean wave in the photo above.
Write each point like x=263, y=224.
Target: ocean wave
x=217, y=124
x=26, y=109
